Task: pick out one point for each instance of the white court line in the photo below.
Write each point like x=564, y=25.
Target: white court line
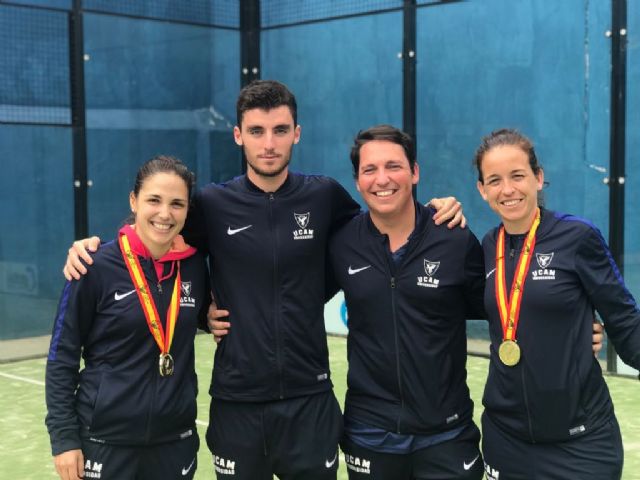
x=22, y=379
x=37, y=382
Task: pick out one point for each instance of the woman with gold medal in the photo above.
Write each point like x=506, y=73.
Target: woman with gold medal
x=548, y=413
x=130, y=413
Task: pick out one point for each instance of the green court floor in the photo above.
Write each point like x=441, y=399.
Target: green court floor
x=24, y=443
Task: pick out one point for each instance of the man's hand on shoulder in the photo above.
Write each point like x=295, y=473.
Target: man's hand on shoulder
x=448, y=209
x=74, y=268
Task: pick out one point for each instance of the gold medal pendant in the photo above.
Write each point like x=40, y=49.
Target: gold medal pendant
x=165, y=365
x=509, y=353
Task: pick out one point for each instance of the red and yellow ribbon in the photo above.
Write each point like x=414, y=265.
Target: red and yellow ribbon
x=146, y=300
x=510, y=309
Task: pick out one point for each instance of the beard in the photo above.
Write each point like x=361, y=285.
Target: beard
x=271, y=173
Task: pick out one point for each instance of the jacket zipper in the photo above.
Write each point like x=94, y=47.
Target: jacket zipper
x=512, y=258
x=276, y=298
x=526, y=404
x=397, y=344
x=396, y=335
x=162, y=308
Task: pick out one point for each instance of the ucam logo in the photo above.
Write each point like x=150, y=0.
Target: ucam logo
x=544, y=273
x=92, y=469
x=492, y=473
x=357, y=464
x=302, y=233
x=186, y=300
x=429, y=281
x=224, y=466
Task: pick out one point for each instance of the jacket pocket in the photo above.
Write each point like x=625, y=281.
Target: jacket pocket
x=122, y=407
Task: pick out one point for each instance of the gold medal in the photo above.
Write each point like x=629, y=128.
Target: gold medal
x=509, y=353
x=509, y=304
x=165, y=364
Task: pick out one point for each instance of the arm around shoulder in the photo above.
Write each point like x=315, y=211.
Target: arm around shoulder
x=78, y=256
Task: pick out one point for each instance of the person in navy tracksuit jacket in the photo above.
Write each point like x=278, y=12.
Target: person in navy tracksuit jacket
x=125, y=415
x=548, y=413
x=409, y=287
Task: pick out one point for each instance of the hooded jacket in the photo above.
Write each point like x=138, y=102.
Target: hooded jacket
x=119, y=396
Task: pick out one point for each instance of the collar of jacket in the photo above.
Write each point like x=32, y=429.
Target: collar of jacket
x=289, y=183
x=423, y=214
x=179, y=249
x=548, y=220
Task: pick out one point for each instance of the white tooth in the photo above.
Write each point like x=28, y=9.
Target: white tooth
x=386, y=193
x=161, y=226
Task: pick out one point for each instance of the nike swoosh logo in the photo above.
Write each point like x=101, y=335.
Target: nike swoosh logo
x=353, y=271
x=186, y=470
x=467, y=466
x=329, y=463
x=490, y=273
x=120, y=296
x=233, y=231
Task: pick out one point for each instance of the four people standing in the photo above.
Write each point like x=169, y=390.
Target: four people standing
x=266, y=235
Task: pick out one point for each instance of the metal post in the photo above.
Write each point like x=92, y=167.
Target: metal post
x=617, y=143
x=249, y=40
x=249, y=48
x=409, y=57
x=78, y=119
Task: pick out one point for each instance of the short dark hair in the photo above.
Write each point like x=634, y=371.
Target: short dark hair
x=506, y=136
x=164, y=164
x=266, y=95
x=386, y=133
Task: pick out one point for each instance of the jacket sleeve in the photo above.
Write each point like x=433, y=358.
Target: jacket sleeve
x=331, y=286
x=474, y=280
x=73, y=321
x=195, y=230
x=202, y=315
x=343, y=207
x=615, y=304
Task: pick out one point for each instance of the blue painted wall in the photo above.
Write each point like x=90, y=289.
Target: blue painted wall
x=346, y=76
x=155, y=88
x=542, y=69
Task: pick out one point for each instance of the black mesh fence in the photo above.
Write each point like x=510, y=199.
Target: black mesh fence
x=221, y=13
x=289, y=12
x=34, y=66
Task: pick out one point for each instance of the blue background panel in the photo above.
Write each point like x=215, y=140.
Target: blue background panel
x=36, y=191
x=541, y=81
x=156, y=88
x=346, y=76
